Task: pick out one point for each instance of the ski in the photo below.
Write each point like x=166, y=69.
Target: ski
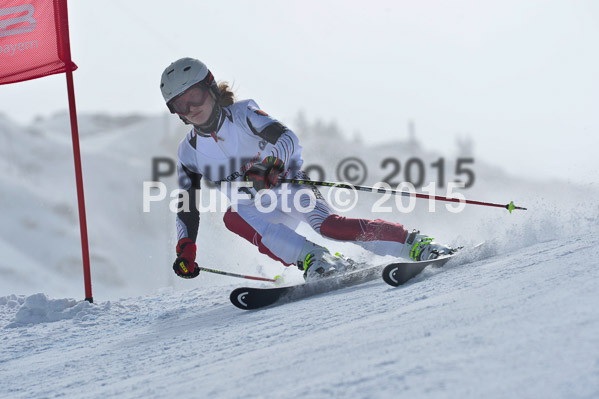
x=394, y=274
x=399, y=273
x=248, y=298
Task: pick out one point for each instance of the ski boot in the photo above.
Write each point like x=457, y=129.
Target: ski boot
x=421, y=247
x=317, y=262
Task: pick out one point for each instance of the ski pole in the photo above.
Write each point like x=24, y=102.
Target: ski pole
x=236, y=275
x=510, y=207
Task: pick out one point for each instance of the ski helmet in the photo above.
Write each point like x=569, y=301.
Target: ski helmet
x=184, y=73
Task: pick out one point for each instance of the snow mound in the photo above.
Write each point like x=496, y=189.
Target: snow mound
x=38, y=308
x=9, y=305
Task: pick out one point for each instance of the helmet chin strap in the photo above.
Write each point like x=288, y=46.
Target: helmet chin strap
x=211, y=124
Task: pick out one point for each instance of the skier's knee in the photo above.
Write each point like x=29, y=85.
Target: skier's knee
x=231, y=220
x=329, y=226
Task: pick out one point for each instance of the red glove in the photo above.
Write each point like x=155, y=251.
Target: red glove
x=266, y=174
x=185, y=265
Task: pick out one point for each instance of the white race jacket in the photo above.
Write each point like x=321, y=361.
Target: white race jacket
x=245, y=135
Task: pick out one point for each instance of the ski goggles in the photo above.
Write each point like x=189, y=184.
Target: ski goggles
x=196, y=95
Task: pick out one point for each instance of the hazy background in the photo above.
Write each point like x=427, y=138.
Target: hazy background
x=520, y=78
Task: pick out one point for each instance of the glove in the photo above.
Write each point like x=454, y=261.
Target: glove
x=185, y=265
x=266, y=174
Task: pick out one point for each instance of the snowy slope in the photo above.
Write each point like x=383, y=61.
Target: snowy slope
x=522, y=323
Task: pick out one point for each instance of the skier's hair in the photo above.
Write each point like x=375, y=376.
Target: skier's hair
x=227, y=97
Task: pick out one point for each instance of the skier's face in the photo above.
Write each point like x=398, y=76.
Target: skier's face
x=195, y=104
x=199, y=114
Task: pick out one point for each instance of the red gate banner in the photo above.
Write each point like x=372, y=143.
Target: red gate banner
x=34, y=42
x=33, y=39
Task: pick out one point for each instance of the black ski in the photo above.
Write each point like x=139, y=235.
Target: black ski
x=247, y=298
x=399, y=273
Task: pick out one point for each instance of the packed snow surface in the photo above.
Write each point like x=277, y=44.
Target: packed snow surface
x=493, y=324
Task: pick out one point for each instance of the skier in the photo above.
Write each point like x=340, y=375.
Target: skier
x=261, y=150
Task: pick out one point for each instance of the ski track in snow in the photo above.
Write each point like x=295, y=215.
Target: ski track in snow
x=521, y=324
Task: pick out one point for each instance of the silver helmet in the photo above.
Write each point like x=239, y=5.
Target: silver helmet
x=184, y=73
